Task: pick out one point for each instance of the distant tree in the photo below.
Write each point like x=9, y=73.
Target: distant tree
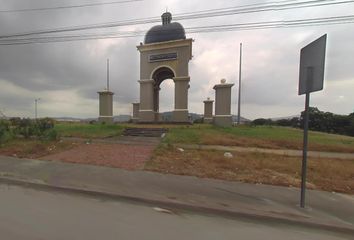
x=329, y=122
x=295, y=122
x=4, y=129
x=340, y=124
x=262, y=121
x=350, y=129
x=283, y=122
x=316, y=119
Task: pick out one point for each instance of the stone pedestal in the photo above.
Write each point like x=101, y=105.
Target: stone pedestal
x=180, y=113
x=105, y=107
x=208, y=111
x=223, y=115
x=136, y=107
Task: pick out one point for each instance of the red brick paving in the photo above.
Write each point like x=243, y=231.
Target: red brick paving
x=113, y=155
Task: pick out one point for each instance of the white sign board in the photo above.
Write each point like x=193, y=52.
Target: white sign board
x=312, y=64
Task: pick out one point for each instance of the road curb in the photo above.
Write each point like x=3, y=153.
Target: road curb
x=274, y=218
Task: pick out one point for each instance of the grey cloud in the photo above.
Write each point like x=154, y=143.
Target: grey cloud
x=270, y=68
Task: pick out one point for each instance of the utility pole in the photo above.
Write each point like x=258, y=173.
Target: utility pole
x=239, y=88
x=35, y=107
x=108, y=74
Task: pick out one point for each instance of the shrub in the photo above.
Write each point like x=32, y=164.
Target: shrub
x=50, y=135
x=4, y=126
x=26, y=128
x=42, y=128
x=29, y=128
x=42, y=125
x=4, y=130
x=15, y=121
x=199, y=120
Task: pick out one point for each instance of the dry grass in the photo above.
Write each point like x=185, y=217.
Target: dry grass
x=29, y=148
x=324, y=174
x=229, y=140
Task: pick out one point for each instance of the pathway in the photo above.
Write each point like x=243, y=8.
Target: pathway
x=286, y=152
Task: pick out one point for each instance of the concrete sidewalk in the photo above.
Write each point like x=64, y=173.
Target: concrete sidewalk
x=331, y=211
x=283, y=152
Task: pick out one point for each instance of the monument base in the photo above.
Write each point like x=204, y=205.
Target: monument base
x=105, y=119
x=146, y=116
x=222, y=121
x=208, y=120
x=135, y=120
x=180, y=116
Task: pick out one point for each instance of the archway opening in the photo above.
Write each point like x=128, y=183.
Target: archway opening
x=160, y=75
x=166, y=98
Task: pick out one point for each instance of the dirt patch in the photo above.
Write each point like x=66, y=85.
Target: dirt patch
x=325, y=174
x=112, y=155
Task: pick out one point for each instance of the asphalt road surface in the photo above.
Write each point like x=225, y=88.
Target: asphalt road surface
x=30, y=214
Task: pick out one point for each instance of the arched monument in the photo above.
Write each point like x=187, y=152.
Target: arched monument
x=165, y=54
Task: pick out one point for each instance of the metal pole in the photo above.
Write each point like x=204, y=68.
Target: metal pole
x=306, y=127
x=304, y=153
x=107, y=74
x=35, y=108
x=239, y=88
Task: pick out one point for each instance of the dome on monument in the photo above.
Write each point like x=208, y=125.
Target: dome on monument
x=166, y=32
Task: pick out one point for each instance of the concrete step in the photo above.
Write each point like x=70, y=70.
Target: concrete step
x=138, y=140
x=145, y=132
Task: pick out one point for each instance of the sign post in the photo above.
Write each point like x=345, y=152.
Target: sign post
x=312, y=64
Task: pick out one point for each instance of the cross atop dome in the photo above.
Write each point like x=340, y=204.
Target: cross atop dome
x=166, y=18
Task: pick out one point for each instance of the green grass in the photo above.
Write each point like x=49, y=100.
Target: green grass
x=265, y=132
x=245, y=136
x=258, y=136
x=196, y=133
x=88, y=130
x=289, y=134
x=185, y=134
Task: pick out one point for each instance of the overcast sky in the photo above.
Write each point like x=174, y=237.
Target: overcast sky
x=66, y=76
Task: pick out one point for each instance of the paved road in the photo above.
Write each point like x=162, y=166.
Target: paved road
x=33, y=214
x=332, y=210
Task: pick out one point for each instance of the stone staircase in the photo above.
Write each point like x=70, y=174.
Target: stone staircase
x=145, y=132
